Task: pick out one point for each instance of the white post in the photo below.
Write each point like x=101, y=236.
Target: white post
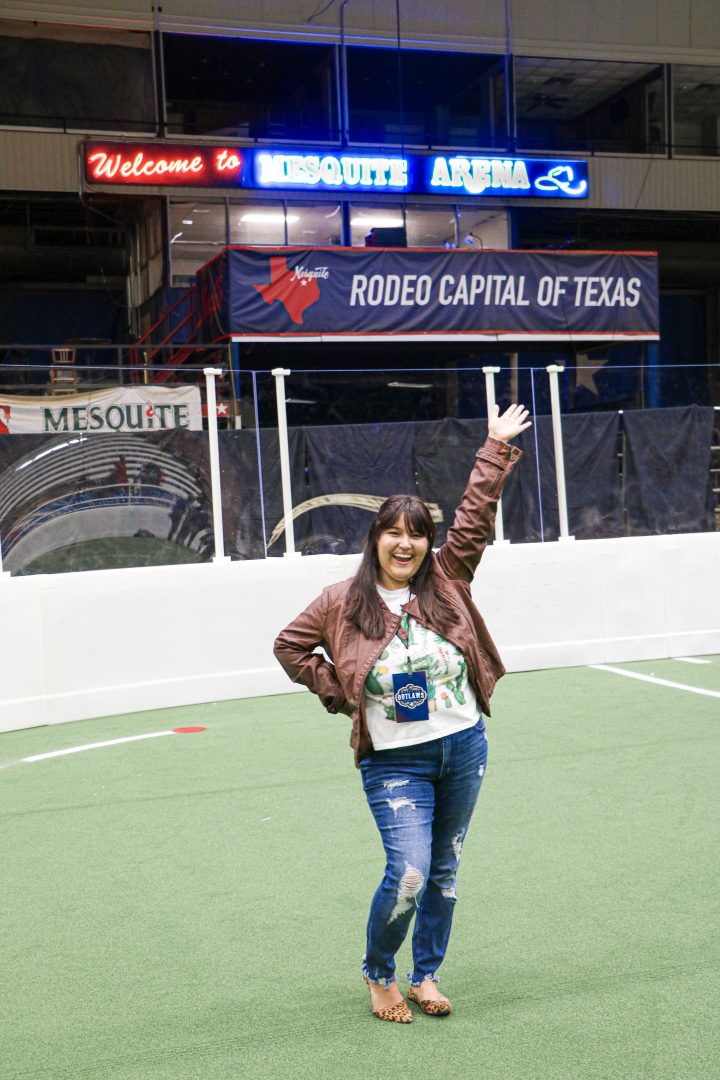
x=280, y=374
x=215, y=489
x=553, y=371
x=490, y=373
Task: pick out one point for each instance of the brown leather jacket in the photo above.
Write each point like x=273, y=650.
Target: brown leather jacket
x=339, y=682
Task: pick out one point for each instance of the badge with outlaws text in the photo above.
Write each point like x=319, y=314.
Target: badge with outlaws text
x=410, y=697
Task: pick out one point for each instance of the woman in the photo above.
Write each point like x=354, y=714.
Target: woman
x=410, y=660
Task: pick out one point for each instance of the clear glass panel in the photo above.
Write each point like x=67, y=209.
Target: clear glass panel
x=241, y=445
x=367, y=216
x=229, y=86
x=487, y=229
x=89, y=482
x=424, y=97
x=430, y=228
x=264, y=526
x=259, y=223
x=104, y=475
x=696, y=109
x=358, y=436
x=318, y=225
x=197, y=233
x=589, y=105
x=427, y=226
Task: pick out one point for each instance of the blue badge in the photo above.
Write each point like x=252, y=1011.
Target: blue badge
x=410, y=697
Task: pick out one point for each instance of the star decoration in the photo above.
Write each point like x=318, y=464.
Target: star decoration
x=585, y=371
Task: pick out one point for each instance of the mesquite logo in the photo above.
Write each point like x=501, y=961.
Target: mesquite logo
x=297, y=288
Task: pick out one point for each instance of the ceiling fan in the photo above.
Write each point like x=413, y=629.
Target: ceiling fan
x=546, y=101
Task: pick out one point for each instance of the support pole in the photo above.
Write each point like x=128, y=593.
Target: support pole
x=215, y=489
x=553, y=371
x=490, y=373
x=280, y=374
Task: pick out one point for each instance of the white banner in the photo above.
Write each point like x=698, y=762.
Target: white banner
x=122, y=408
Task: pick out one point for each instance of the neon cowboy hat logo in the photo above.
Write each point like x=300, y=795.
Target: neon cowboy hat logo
x=560, y=178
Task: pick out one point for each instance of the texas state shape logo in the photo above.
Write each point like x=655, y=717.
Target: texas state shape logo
x=296, y=289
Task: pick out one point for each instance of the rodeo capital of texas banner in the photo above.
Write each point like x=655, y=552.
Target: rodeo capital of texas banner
x=123, y=408
x=414, y=292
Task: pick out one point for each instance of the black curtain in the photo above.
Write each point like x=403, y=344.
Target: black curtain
x=592, y=480
x=667, y=470
x=355, y=460
x=444, y=454
x=245, y=507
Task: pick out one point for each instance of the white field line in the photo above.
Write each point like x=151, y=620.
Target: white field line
x=96, y=745
x=692, y=660
x=658, y=682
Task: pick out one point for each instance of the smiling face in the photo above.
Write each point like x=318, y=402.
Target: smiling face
x=400, y=554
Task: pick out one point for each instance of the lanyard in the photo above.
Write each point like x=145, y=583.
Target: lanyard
x=403, y=632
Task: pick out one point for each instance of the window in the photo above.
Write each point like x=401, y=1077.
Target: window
x=589, y=105
x=197, y=233
x=259, y=223
x=425, y=227
x=430, y=228
x=364, y=217
x=696, y=109
x=484, y=228
x=300, y=224
x=81, y=84
x=314, y=226
x=427, y=98
x=249, y=89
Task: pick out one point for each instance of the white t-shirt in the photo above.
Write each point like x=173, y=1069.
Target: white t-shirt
x=452, y=702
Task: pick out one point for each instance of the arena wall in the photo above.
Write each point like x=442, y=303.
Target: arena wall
x=76, y=646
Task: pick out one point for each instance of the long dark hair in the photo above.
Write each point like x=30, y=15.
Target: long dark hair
x=363, y=604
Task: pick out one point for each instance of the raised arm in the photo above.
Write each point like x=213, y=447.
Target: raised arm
x=472, y=527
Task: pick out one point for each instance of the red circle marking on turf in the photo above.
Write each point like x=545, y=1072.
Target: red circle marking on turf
x=185, y=730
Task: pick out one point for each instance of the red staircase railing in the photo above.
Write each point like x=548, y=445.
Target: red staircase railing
x=151, y=350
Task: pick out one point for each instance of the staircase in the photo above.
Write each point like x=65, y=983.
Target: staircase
x=171, y=341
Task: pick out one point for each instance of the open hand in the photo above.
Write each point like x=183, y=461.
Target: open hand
x=511, y=423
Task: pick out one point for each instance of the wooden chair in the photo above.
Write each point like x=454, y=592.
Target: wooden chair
x=63, y=373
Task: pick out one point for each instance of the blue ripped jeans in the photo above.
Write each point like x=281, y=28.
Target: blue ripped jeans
x=422, y=798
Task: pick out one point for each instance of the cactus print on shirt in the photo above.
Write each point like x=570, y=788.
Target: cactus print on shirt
x=451, y=698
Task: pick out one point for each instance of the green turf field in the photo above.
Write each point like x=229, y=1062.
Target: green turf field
x=192, y=907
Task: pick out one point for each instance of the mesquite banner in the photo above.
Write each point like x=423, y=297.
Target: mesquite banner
x=121, y=408
x=348, y=292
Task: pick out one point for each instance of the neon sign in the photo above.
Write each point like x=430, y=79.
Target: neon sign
x=477, y=174
x=163, y=165
x=191, y=166
x=330, y=171
x=554, y=182
x=538, y=177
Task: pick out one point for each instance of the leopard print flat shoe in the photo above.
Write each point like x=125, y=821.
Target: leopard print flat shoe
x=442, y=1007
x=394, y=1014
